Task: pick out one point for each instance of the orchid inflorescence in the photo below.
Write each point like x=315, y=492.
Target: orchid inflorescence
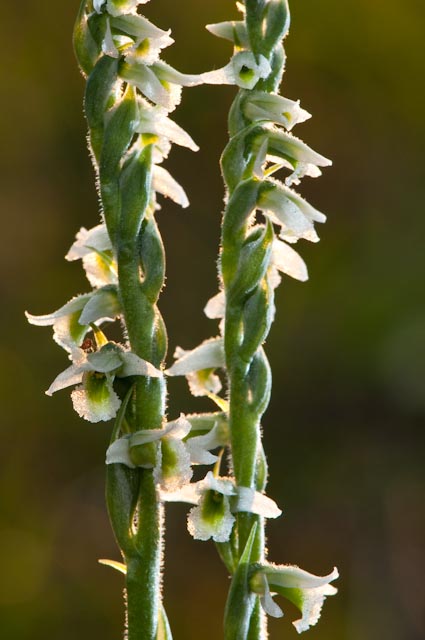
x=130, y=93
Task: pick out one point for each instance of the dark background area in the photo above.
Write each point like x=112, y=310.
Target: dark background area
x=344, y=431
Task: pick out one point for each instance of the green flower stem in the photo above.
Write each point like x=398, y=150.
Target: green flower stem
x=245, y=259
x=125, y=186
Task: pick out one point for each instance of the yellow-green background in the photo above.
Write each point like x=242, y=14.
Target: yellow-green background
x=344, y=431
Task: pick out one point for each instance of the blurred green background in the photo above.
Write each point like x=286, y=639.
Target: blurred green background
x=344, y=431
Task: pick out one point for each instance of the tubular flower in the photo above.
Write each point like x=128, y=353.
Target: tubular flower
x=305, y=590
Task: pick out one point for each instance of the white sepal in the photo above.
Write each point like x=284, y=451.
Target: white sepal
x=67, y=331
x=98, y=4
x=216, y=306
x=147, y=81
x=67, y=378
x=108, y=44
x=287, y=260
x=199, y=446
x=132, y=365
x=119, y=452
x=104, y=304
x=164, y=183
x=120, y=7
x=154, y=120
x=253, y=501
x=208, y=355
x=88, y=241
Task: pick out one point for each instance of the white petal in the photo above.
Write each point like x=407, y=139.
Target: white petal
x=138, y=27
x=225, y=486
x=107, y=359
x=143, y=436
x=291, y=576
x=72, y=375
x=312, y=603
x=269, y=605
x=286, y=260
x=76, y=304
x=296, y=149
x=178, y=428
x=95, y=409
x=155, y=121
x=87, y=241
x=203, y=383
x=208, y=355
x=199, y=446
x=103, y=303
x=100, y=270
x=216, y=306
x=132, y=365
x=120, y=7
x=275, y=108
x=148, y=51
x=168, y=74
x=147, y=82
x=98, y=4
x=189, y=493
x=201, y=529
x=252, y=501
x=164, y=183
x=119, y=452
x=108, y=45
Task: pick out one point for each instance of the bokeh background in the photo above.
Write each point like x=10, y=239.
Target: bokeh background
x=344, y=431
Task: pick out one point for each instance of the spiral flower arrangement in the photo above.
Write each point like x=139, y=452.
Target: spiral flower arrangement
x=129, y=95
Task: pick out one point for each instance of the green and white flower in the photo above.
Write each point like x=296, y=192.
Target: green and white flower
x=94, y=248
x=305, y=590
x=72, y=322
x=216, y=500
x=160, y=449
x=95, y=399
x=199, y=365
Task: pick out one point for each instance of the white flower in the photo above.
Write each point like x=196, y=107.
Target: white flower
x=170, y=459
x=94, y=248
x=216, y=499
x=289, y=151
x=305, y=590
x=72, y=321
x=198, y=366
x=258, y=106
x=151, y=85
x=288, y=209
x=95, y=399
x=242, y=70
